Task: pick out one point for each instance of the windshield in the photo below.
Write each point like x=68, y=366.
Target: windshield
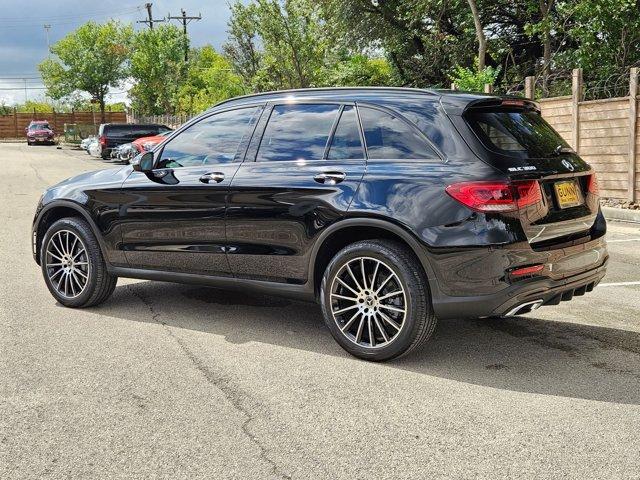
x=522, y=134
x=38, y=126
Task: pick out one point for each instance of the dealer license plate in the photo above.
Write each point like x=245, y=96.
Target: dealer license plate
x=568, y=194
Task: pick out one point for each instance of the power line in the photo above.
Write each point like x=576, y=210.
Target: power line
x=23, y=88
x=185, y=20
x=46, y=18
x=150, y=20
x=71, y=20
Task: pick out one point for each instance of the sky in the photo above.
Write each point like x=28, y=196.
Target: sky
x=23, y=40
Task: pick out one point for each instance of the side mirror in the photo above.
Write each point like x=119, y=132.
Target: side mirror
x=143, y=163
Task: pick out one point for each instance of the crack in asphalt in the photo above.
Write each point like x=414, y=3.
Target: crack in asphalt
x=38, y=176
x=224, y=384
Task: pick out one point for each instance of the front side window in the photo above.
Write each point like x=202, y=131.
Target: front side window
x=297, y=132
x=213, y=140
x=346, y=143
x=390, y=137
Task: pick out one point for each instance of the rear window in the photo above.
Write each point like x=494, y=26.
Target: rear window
x=522, y=134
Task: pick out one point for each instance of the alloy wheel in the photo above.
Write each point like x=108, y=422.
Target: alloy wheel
x=67, y=263
x=368, y=302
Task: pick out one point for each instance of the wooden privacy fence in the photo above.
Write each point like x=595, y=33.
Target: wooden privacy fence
x=605, y=132
x=13, y=124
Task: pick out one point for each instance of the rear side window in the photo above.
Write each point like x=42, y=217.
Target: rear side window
x=390, y=137
x=297, y=132
x=143, y=130
x=213, y=140
x=346, y=143
x=523, y=134
x=117, y=130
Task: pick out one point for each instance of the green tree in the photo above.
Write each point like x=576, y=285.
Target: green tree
x=422, y=39
x=474, y=80
x=210, y=79
x=157, y=67
x=606, y=34
x=35, y=106
x=291, y=40
x=241, y=47
x=91, y=59
x=359, y=70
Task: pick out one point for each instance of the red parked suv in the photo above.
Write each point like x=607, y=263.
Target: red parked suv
x=39, y=132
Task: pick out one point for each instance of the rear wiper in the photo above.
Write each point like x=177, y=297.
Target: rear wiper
x=562, y=149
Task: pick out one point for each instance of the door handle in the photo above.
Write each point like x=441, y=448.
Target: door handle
x=329, y=178
x=216, y=177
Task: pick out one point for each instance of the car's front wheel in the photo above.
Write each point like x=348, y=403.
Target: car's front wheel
x=72, y=264
x=375, y=300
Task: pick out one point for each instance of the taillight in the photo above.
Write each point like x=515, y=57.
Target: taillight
x=592, y=185
x=496, y=196
x=527, y=270
x=102, y=140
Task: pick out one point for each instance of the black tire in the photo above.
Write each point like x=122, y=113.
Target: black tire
x=99, y=283
x=419, y=320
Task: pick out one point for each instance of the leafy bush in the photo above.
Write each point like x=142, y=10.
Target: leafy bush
x=473, y=80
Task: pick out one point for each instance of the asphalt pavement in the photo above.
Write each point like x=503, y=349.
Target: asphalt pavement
x=177, y=381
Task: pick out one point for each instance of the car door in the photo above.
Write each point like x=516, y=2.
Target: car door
x=173, y=217
x=299, y=177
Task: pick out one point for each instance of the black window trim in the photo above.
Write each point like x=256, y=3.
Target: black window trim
x=411, y=125
x=243, y=146
x=363, y=145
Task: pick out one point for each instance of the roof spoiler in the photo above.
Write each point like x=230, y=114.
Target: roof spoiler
x=502, y=102
x=459, y=104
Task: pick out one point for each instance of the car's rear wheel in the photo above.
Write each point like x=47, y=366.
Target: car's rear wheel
x=375, y=300
x=72, y=264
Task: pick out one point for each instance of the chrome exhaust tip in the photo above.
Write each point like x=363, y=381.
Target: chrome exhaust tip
x=525, y=307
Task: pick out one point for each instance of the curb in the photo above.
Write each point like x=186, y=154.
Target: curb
x=621, y=214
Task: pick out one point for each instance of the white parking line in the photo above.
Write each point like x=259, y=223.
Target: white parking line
x=624, y=240
x=617, y=284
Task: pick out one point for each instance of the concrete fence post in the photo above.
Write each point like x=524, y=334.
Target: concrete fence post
x=453, y=86
x=633, y=122
x=576, y=98
x=488, y=88
x=530, y=88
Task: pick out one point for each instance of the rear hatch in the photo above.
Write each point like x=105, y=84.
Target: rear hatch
x=512, y=137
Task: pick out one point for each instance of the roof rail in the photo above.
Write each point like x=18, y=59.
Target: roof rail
x=328, y=89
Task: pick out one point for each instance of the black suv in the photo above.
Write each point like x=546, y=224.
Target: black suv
x=112, y=135
x=390, y=207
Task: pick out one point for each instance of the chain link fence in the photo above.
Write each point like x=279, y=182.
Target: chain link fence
x=171, y=121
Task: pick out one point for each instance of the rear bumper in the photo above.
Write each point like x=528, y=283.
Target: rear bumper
x=546, y=291
x=501, y=297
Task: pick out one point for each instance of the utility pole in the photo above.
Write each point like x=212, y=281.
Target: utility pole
x=184, y=19
x=46, y=29
x=150, y=21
